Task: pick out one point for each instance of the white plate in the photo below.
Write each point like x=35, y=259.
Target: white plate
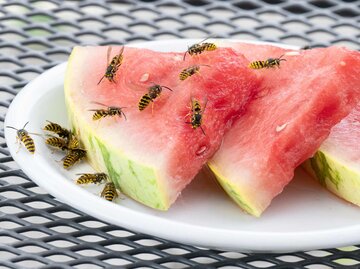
x=303, y=217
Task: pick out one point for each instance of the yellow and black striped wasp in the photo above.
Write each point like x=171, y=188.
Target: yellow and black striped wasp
x=113, y=65
x=24, y=136
x=197, y=114
x=74, y=152
x=189, y=71
x=64, y=144
x=73, y=156
x=153, y=92
x=57, y=142
x=200, y=47
x=73, y=142
x=95, y=178
x=269, y=63
x=57, y=129
x=111, y=111
x=109, y=192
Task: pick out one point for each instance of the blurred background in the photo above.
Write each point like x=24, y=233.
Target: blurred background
x=37, y=231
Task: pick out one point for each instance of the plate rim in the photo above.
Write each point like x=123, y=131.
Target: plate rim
x=235, y=240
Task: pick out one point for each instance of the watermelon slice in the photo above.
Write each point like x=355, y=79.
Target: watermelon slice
x=154, y=154
x=311, y=92
x=337, y=163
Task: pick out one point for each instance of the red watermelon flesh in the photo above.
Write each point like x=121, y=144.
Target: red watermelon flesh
x=343, y=140
x=300, y=102
x=154, y=154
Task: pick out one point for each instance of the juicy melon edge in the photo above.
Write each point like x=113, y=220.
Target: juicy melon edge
x=235, y=193
x=335, y=175
x=136, y=180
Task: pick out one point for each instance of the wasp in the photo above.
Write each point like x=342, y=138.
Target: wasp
x=24, y=137
x=113, y=65
x=109, y=192
x=91, y=178
x=111, y=111
x=57, y=129
x=57, y=142
x=197, y=114
x=269, y=63
x=153, y=93
x=73, y=142
x=200, y=47
x=189, y=71
x=73, y=156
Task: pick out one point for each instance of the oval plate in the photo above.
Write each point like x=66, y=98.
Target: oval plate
x=304, y=216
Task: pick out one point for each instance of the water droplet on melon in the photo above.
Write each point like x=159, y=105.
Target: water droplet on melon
x=144, y=77
x=292, y=53
x=279, y=128
x=201, y=150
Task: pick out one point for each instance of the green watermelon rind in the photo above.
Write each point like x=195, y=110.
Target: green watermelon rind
x=141, y=182
x=234, y=192
x=336, y=175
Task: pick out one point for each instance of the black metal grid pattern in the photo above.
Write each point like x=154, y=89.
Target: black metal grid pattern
x=36, y=230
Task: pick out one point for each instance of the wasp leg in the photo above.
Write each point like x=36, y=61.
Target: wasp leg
x=202, y=130
x=18, y=149
x=18, y=142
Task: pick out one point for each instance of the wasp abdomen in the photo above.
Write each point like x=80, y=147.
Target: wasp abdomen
x=144, y=101
x=91, y=178
x=209, y=46
x=72, y=157
x=56, y=142
x=29, y=143
x=257, y=64
x=109, y=192
x=99, y=114
x=188, y=72
x=56, y=128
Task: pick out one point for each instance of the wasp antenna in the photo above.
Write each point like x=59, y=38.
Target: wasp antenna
x=205, y=65
x=25, y=125
x=202, y=130
x=184, y=55
x=100, y=80
x=98, y=103
x=12, y=127
x=167, y=88
x=280, y=58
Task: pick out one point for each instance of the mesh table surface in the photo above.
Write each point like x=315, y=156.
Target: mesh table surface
x=36, y=230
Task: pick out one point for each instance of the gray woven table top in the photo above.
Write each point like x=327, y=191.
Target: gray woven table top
x=36, y=230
